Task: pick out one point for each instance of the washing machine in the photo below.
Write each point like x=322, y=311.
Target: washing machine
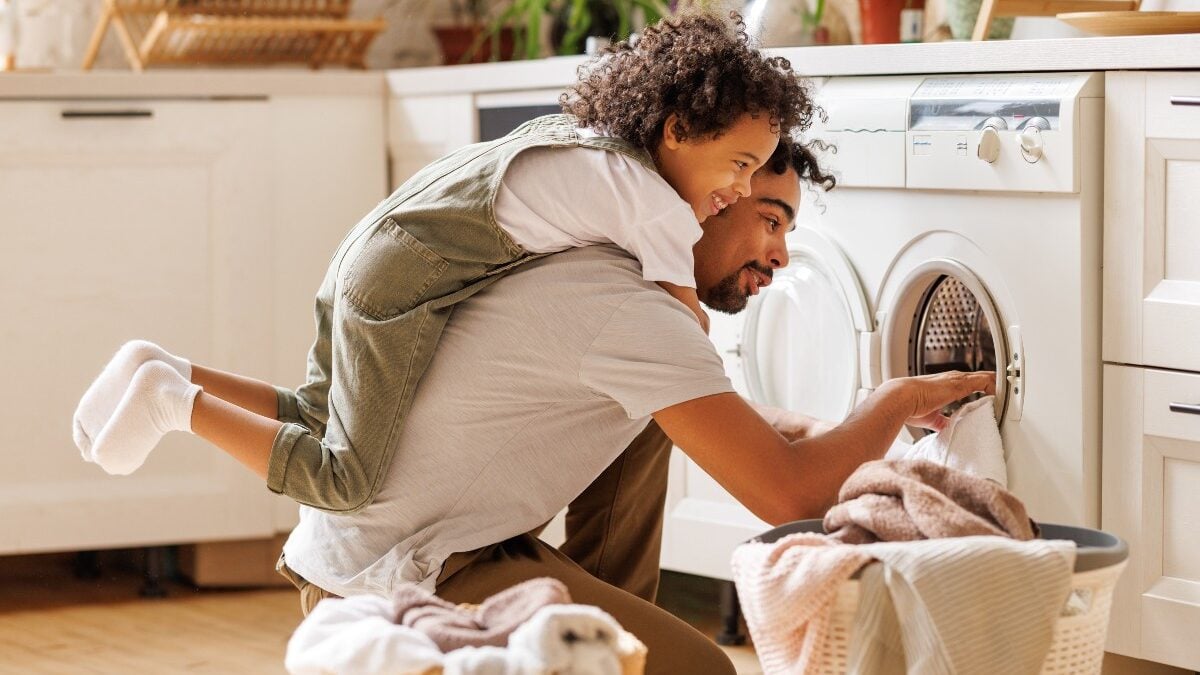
x=964, y=234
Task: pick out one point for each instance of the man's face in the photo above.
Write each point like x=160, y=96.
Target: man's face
x=743, y=245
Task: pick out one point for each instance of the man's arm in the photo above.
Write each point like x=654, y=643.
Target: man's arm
x=780, y=481
x=792, y=425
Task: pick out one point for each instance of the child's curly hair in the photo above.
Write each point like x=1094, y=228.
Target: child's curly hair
x=695, y=65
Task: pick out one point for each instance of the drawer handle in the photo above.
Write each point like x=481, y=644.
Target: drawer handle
x=1185, y=100
x=106, y=114
x=1189, y=408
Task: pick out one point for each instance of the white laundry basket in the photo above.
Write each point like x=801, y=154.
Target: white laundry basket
x=1078, y=644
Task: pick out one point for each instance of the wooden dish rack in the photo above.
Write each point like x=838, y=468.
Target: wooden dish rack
x=226, y=32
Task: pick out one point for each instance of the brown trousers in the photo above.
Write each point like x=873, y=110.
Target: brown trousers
x=609, y=559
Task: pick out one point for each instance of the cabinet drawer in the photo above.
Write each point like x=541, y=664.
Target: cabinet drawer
x=1173, y=105
x=1171, y=405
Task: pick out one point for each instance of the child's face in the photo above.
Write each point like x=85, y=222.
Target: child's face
x=711, y=173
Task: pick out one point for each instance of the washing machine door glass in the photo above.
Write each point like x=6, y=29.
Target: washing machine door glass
x=940, y=318
x=800, y=344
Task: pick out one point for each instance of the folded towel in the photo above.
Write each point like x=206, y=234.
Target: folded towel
x=356, y=636
x=903, y=500
x=451, y=626
x=571, y=640
x=970, y=442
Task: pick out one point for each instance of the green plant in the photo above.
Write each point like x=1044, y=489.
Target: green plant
x=526, y=17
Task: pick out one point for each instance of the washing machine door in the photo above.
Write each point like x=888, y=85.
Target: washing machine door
x=799, y=346
x=936, y=315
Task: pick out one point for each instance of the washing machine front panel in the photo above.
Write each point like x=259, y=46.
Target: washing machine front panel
x=800, y=342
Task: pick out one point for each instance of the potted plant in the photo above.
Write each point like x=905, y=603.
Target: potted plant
x=573, y=21
x=470, y=39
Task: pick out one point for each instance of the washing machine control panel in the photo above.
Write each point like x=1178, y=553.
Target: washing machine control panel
x=996, y=132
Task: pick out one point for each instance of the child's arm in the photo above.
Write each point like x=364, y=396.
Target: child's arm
x=688, y=297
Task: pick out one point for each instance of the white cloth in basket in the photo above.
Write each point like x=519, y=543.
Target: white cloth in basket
x=357, y=636
x=937, y=606
x=970, y=442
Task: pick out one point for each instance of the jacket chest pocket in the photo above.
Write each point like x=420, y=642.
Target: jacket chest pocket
x=391, y=273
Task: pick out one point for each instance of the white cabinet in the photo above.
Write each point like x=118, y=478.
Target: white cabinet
x=1151, y=444
x=1151, y=499
x=1152, y=220
x=139, y=218
x=202, y=224
x=424, y=128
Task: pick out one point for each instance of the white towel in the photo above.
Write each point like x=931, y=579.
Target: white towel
x=491, y=661
x=970, y=442
x=571, y=640
x=356, y=636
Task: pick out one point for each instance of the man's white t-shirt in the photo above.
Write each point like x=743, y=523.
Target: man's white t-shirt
x=539, y=382
x=553, y=199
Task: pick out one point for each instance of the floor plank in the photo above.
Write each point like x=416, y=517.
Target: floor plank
x=52, y=622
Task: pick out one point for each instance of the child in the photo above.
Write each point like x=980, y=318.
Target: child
x=657, y=138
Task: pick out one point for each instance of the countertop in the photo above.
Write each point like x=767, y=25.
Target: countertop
x=189, y=83
x=1156, y=52
x=1159, y=52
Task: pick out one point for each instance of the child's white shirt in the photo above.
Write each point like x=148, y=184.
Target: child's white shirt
x=553, y=199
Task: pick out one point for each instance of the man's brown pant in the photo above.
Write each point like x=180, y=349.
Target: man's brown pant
x=610, y=560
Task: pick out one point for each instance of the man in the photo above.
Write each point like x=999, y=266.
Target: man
x=539, y=397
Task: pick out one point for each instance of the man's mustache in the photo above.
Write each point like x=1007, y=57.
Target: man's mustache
x=761, y=269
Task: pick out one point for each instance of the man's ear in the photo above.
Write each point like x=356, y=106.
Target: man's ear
x=670, y=138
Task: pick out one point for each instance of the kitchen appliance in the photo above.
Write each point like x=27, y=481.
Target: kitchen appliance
x=964, y=233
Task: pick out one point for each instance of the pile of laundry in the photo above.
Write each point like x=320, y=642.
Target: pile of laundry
x=529, y=629
x=952, y=576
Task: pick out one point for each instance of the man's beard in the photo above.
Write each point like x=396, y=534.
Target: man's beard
x=728, y=296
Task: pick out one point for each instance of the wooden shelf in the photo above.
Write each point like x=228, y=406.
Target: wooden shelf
x=230, y=32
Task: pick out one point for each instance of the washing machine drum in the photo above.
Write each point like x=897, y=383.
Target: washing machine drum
x=950, y=331
x=800, y=343
x=941, y=318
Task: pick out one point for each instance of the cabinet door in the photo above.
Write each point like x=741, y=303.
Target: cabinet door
x=1150, y=499
x=424, y=128
x=1152, y=219
x=126, y=219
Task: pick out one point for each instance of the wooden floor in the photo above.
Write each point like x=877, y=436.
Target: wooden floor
x=52, y=622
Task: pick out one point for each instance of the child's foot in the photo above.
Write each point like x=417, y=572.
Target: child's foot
x=157, y=400
x=102, y=397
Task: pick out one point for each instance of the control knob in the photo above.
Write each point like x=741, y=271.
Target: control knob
x=1030, y=139
x=989, y=140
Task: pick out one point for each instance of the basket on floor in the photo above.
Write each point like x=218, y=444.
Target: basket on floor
x=1079, y=633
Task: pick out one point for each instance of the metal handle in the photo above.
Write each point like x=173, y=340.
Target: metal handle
x=1185, y=100
x=1189, y=408
x=106, y=114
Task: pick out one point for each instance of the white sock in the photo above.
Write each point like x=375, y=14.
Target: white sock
x=157, y=400
x=102, y=397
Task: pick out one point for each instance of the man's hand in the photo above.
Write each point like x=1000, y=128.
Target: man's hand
x=930, y=393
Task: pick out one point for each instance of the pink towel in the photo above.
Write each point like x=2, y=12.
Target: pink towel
x=904, y=500
x=451, y=626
